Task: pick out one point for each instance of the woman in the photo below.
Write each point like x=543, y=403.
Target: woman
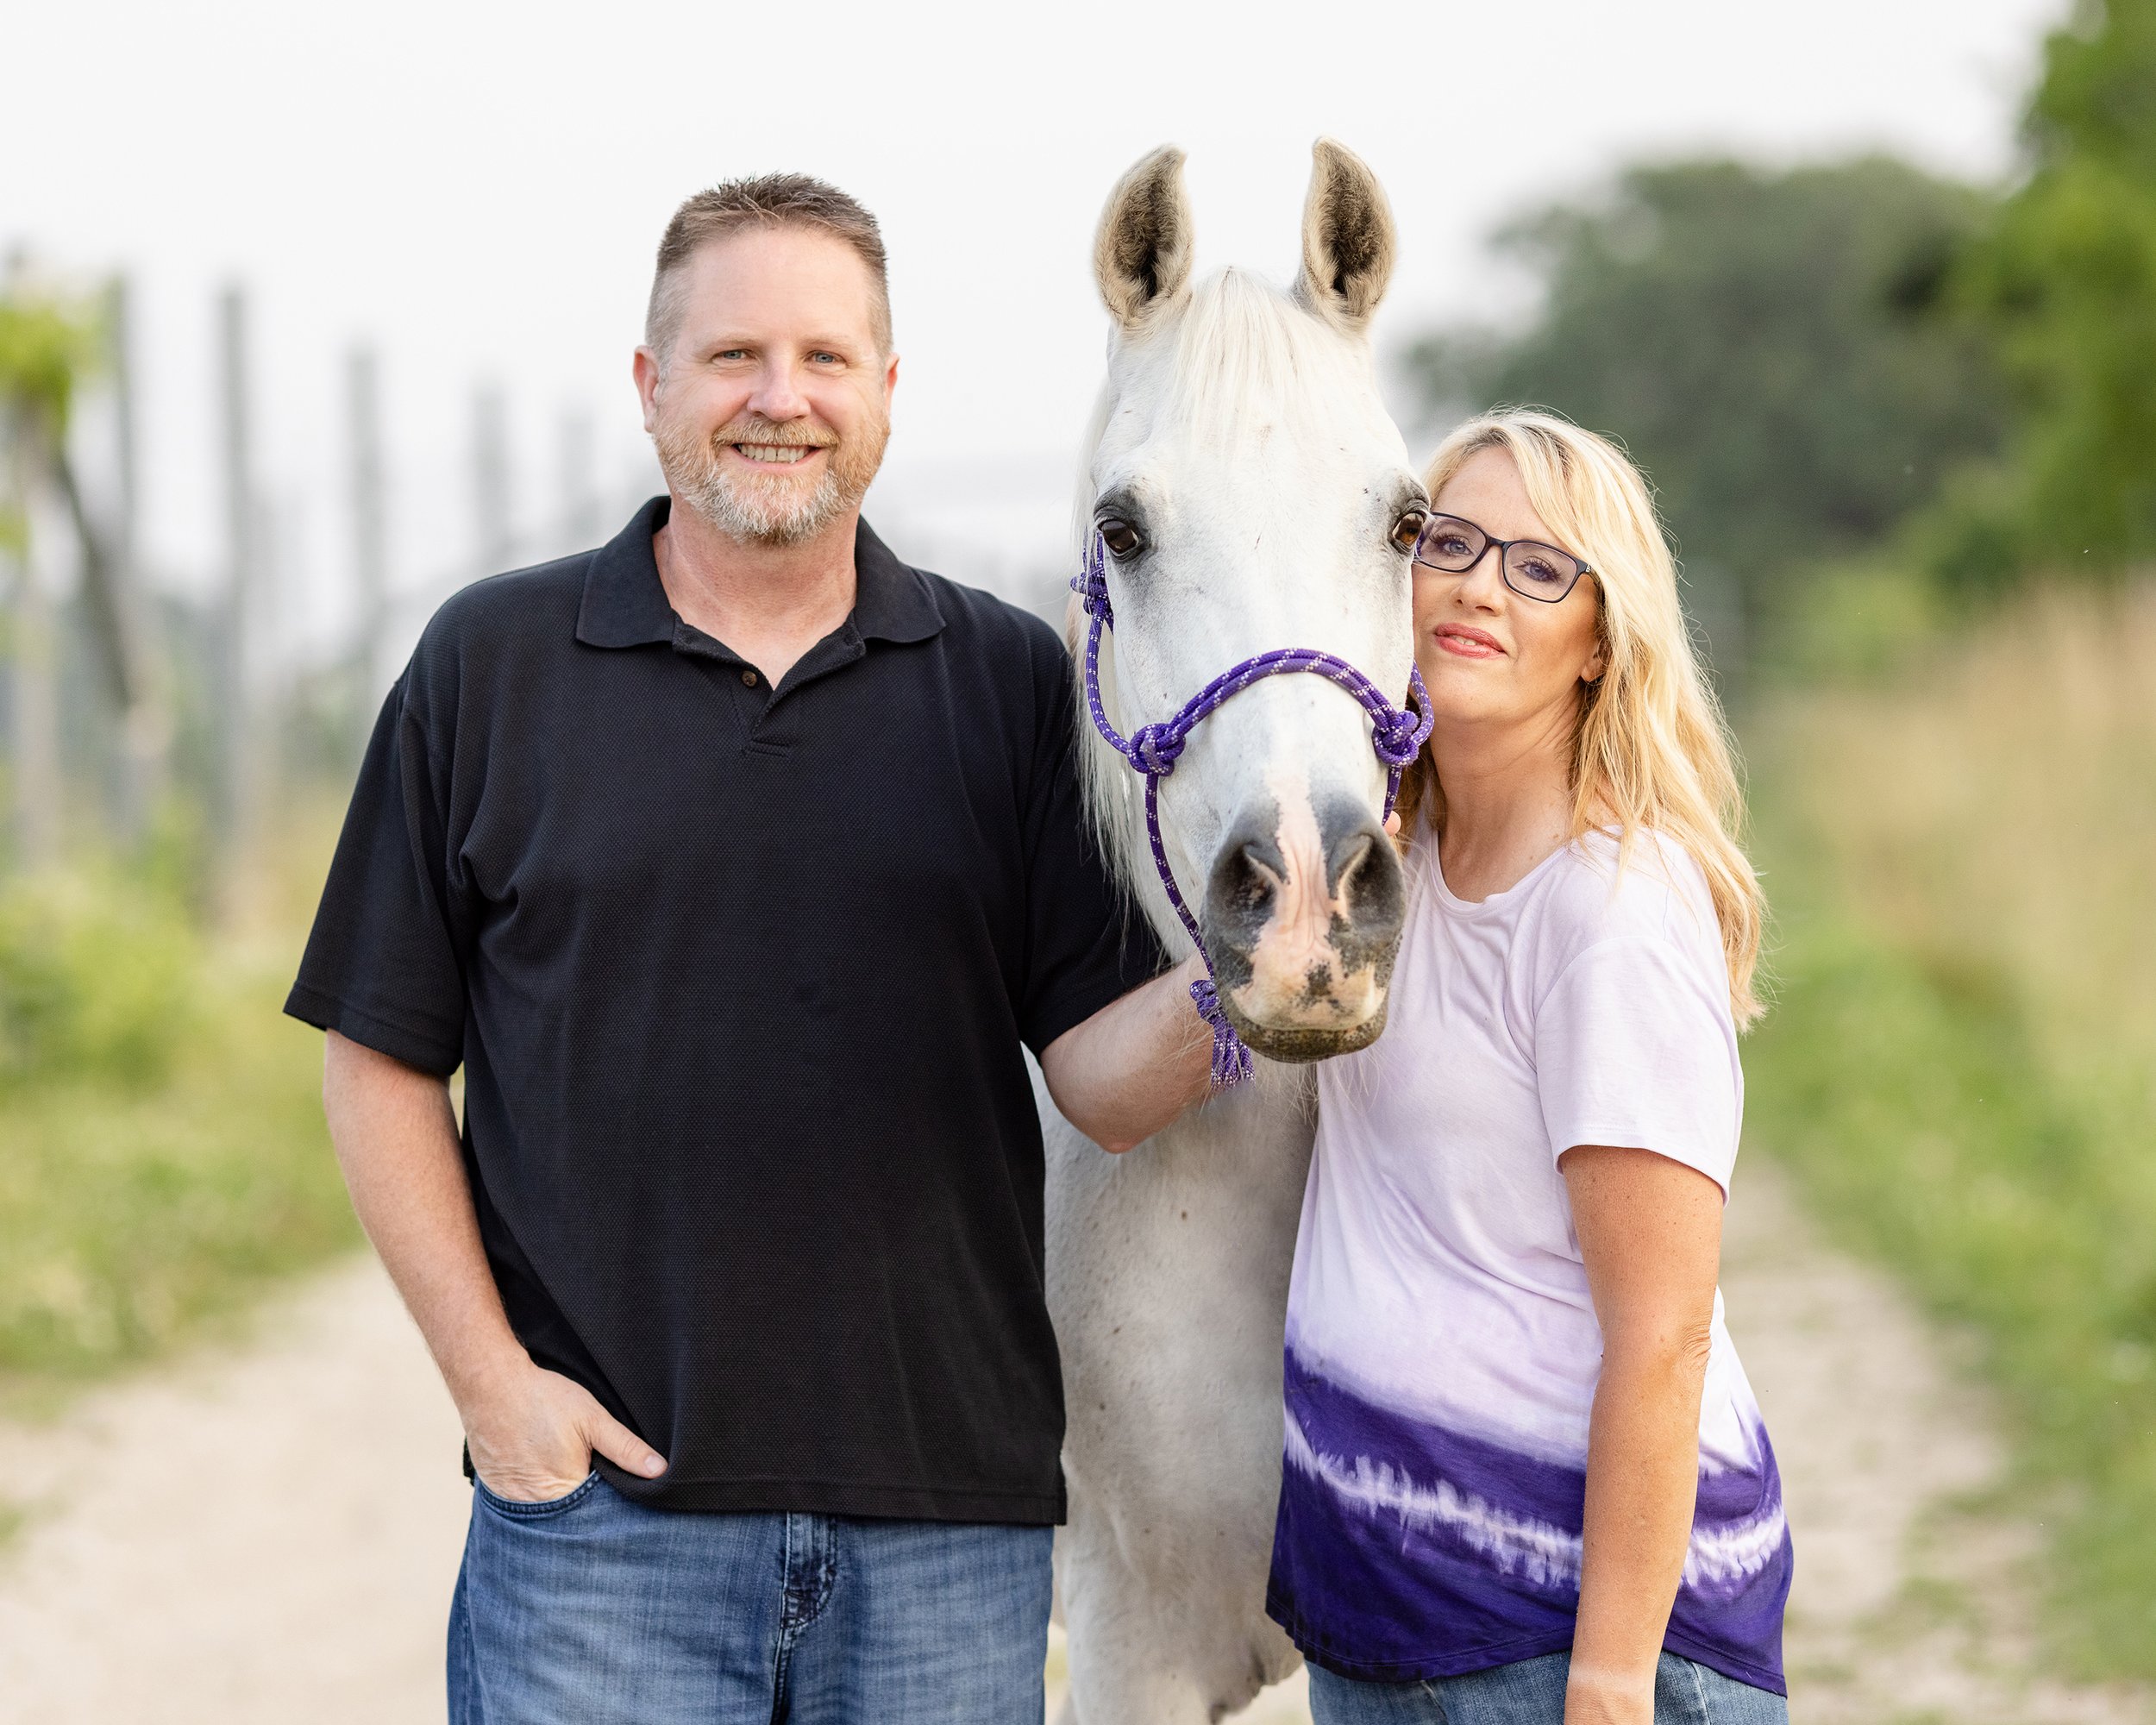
x=1525, y=1478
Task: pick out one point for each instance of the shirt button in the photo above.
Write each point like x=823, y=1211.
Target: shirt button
x=749, y=678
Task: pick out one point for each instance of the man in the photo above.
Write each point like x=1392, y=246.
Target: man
x=735, y=862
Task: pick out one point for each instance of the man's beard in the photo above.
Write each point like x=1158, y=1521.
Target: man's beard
x=768, y=508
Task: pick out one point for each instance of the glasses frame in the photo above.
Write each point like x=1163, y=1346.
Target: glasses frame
x=1502, y=547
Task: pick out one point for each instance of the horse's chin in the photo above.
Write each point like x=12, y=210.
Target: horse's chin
x=1300, y=1044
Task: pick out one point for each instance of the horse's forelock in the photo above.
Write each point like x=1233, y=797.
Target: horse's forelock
x=1247, y=354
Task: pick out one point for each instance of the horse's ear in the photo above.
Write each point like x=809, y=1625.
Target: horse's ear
x=1348, y=242
x=1142, y=255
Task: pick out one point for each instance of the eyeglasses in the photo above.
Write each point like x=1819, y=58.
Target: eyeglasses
x=1532, y=570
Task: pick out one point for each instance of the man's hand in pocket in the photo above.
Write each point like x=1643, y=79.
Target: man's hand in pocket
x=534, y=1433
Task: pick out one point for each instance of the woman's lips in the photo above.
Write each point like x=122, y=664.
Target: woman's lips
x=1467, y=644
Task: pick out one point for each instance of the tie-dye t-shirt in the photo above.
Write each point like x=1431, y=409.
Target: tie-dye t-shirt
x=1442, y=1347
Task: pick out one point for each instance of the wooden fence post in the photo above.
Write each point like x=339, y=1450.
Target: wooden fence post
x=34, y=704
x=115, y=605
x=583, y=519
x=491, y=509
x=235, y=797
x=145, y=730
x=370, y=529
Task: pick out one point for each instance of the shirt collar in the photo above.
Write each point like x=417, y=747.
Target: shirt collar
x=625, y=604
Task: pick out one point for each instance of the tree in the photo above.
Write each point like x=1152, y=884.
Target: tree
x=1767, y=345
x=46, y=346
x=50, y=344
x=2064, y=281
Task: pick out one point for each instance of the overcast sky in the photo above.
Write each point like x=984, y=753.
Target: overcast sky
x=476, y=189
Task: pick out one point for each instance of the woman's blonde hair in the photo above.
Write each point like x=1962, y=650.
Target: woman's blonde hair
x=1650, y=751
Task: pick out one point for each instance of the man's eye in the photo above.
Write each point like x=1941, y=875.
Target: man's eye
x=827, y=357
x=1120, y=537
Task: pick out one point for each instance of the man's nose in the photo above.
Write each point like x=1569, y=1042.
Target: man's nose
x=777, y=394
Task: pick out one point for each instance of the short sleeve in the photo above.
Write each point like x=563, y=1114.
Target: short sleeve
x=1634, y=1047
x=382, y=964
x=1087, y=945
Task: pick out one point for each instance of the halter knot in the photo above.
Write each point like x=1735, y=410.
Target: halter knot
x=1091, y=585
x=1399, y=735
x=1155, y=749
x=1231, y=1060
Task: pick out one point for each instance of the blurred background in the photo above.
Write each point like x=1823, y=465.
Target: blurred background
x=307, y=320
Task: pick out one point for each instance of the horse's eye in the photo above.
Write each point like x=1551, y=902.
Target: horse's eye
x=1121, y=538
x=1409, y=528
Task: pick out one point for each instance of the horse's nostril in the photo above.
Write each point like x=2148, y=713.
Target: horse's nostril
x=1374, y=893
x=1349, y=855
x=1250, y=885
x=1248, y=880
x=1365, y=875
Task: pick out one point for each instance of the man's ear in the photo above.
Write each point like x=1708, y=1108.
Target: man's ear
x=1141, y=254
x=645, y=369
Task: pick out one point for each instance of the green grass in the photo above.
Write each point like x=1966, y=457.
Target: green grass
x=1958, y=1066
x=162, y=1152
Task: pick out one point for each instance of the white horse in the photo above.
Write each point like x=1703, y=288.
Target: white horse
x=1252, y=491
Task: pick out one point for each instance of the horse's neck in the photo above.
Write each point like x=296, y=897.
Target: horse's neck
x=1251, y=1146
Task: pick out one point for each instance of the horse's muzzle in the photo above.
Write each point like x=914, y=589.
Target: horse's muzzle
x=1302, y=915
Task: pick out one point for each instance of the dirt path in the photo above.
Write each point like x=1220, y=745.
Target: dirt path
x=1907, y=1608
x=256, y=1536
x=269, y=1534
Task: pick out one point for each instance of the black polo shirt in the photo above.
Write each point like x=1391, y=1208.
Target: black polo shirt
x=738, y=978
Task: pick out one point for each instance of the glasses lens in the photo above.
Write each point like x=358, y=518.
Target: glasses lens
x=1540, y=571
x=1450, y=543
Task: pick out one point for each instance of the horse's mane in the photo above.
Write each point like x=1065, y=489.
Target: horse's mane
x=1113, y=794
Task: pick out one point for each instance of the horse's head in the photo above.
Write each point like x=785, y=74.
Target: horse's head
x=1250, y=489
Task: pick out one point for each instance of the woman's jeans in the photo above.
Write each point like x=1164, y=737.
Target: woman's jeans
x=591, y=1609
x=1531, y=1692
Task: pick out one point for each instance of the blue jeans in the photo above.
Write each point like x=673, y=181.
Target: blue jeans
x=1531, y=1692
x=591, y=1609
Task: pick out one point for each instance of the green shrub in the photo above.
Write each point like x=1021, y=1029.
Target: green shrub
x=163, y=1157
x=1960, y=1063
x=132, y=1216
x=1911, y=1105
x=96, y=980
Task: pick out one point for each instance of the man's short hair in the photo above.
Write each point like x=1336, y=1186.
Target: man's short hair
x=768, y=200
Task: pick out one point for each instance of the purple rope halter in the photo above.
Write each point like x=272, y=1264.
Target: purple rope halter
x=1152, y=750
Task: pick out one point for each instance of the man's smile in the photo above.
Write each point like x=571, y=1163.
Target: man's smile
x=775, y=455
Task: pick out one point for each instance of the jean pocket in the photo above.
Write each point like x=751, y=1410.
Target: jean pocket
x=545, y=1506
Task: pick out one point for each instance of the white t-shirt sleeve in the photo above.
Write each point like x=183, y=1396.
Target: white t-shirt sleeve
x=1634, y=1047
